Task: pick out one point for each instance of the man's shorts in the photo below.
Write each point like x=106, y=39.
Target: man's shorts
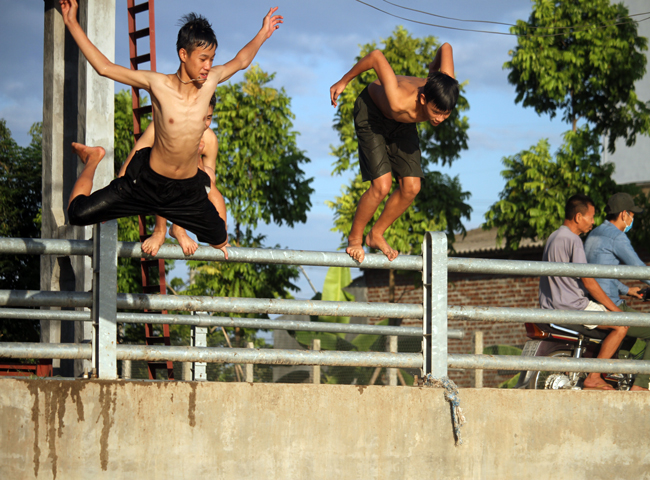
x=385, y=145
x=594, y=307
x=141, y=191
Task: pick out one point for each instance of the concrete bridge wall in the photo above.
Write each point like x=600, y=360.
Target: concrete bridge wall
x=79, y=429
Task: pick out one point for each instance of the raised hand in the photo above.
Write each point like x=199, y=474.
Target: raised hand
x=271, y=22
x=69, y=10
x=336, y=90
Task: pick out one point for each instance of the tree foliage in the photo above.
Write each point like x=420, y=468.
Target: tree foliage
x=586, y=73
x=440, y=205
x=259, y=164
x=20, y=217
x=538, y=186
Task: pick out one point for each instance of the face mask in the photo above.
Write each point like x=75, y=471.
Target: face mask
x=628, y=227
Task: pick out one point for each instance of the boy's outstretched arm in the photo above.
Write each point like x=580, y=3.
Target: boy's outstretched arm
x=374, y=60
x=246, y=55
x=102, y=65
x=443, y=61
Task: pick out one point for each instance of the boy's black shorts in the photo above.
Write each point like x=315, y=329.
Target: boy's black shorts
x=141, y=191
x=384, y=144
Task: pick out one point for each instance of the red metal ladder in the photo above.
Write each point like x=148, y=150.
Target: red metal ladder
x=148, y=267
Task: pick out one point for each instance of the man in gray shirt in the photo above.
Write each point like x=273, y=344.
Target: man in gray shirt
x=567, y=293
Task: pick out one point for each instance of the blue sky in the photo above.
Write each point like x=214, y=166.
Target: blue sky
x=314, y=47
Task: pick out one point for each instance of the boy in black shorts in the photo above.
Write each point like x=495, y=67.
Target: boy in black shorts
x=164, y=179
x=385, y=114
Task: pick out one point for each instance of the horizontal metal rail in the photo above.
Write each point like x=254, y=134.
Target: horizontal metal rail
x=550, y=364
x=31, y=298
x=536, y=269
x=310, y=357
x=128, y=301
x=210, y=321
x=538, y=315
x=37, y=246
x=217, y=355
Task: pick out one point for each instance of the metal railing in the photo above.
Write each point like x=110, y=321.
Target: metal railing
x=434, y=312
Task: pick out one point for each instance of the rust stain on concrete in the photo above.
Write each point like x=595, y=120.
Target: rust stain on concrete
x=362, y=388
x=55, y=395
x=191, y=405
x=107, y=404
x=33, y=390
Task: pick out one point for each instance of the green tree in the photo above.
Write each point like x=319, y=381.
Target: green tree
x=440, y=205
x=587, y=72
x=538, y=186
x=258, y=169
x=259, y=173
x=20, y=217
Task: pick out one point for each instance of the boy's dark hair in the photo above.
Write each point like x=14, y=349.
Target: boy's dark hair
x=578, y=203
x=610, y=217
x=195, y=32
x=442, y=90
x=213, y=100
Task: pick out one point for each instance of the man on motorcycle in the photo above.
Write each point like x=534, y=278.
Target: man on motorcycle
x=608, y=244
x=568, y=293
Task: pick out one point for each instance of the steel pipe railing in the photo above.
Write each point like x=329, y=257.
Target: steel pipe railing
x=538, y=315
x=200, y=320
x=310, y=357
x=550, y=364
x=434, y=326
x=303, y=257
x=537, y=269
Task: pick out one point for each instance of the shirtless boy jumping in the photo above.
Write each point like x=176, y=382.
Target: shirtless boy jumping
x=164, y=180
x=385, y=114
x=208, y=150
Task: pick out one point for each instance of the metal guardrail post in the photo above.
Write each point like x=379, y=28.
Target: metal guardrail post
x=199, y=339
x=249, y=377
x=104, y=310
x=315, y=372
x=392, y=348
x=434, y=302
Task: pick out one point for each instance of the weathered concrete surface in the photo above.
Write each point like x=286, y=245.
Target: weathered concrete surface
x=81, y=429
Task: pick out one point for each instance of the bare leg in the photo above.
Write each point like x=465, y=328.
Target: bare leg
x=90, y=156
x=152, y=244
x=607, y=350
x=366, y=209
x=396, y=205
x=222, y=247
x=188, y=245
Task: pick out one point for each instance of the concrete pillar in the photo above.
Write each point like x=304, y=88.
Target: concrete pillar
x=78, y=105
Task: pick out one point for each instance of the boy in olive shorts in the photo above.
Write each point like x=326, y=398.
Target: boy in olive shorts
x=385, y=114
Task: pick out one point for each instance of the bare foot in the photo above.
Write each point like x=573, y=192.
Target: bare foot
x=596, y=382
x=188, y=245
x=152, y=244
x=379, y=242
x=88, y=155
x=636, y=388
x=355, y=250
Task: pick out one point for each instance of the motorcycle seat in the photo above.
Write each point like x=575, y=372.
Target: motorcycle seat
x=575, y=330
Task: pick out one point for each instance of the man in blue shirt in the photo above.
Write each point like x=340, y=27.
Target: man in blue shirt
x=608, y=244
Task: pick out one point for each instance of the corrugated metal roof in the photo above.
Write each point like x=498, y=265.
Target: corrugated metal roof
x=479, y=240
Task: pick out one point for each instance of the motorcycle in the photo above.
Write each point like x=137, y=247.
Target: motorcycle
x=552, y=340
